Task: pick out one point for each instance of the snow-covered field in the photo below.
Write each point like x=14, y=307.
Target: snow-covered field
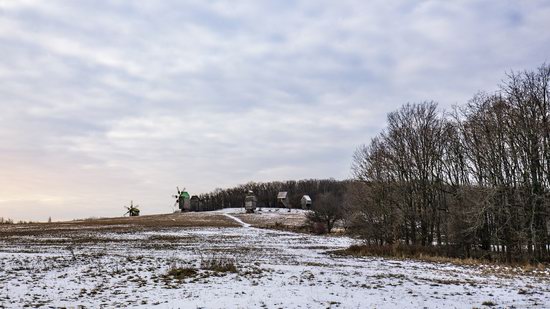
x=275, y=269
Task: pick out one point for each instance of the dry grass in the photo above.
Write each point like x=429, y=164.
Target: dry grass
x=432, y=254
x=489, y=303
x=118, y=225
x=79, y=231
x=219, y=265
x=277, y=220
x=180, y=273
x=286, y=228
x=194, y=219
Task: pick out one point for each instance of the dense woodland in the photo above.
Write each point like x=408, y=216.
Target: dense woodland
x=473, y=182
x=266, y=192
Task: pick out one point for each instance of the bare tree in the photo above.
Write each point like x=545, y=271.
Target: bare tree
x=327, y=210
x=476, y=180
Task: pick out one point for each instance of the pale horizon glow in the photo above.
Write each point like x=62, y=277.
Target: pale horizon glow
x=104, y=102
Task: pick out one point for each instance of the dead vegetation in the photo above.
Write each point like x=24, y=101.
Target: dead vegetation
x=181, y=273
x=6, y=220
x=433, y=255
x=277, y=219
x=117, y=225
x=185, y=271
x=280, y=226
x=219, y=264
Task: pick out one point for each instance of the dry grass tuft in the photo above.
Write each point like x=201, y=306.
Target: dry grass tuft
x=181, y=272
x=219, y=265
x=489, y=303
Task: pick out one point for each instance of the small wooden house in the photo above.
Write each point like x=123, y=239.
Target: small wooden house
x=306, y=202
x=195, y=203
x=250, y=202
x=283, y=200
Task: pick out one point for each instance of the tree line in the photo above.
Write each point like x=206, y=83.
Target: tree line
x=266, y=192
x=473, y=181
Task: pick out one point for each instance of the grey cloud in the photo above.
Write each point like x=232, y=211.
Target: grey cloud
x=105, y=101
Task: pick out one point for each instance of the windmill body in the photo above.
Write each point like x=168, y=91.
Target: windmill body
x=182, y=200
x=132, y=210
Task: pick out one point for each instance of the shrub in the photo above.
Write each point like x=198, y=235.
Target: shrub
x=6, y=221
x=326, y=211
x=219, y=264
x=181, y=272
x=318, y=228
x=488, y=303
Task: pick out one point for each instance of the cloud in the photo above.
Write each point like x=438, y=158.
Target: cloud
x=107, y=101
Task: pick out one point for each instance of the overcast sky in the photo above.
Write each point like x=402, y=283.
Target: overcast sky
x=103, y=102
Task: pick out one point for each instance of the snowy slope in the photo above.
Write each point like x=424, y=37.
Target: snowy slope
x=275, y=270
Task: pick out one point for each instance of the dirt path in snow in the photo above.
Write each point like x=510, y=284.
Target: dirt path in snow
x=241, y=222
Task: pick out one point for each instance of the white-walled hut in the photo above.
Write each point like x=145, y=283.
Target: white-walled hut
x=306, y=202
x=282, y=199
x=250, y=202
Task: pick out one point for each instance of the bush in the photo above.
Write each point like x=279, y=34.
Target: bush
x=326, y=210
x=398, y=250
x=181, y=273
x=489, y=303
x=6, y=221
x=318, y=228
x=219, y=264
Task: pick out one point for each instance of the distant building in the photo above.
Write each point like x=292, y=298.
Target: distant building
x=282, y=199
x=250, y=202
x=306, y=202
x=196, y=204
